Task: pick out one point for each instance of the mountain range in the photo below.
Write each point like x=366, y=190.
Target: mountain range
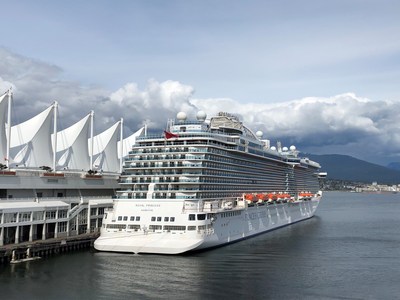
x=344, y=167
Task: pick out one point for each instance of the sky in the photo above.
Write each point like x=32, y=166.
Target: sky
x=322, y=75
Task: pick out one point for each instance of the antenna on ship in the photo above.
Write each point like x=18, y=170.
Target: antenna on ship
x=279, y=146
x=168, y=125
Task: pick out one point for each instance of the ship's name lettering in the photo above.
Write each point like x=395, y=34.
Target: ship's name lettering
x=255, y=215
x=147, y=205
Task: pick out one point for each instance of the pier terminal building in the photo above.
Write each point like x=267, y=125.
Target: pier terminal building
x=56, y=183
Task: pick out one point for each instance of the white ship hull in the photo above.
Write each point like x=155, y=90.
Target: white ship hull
x=226, y=226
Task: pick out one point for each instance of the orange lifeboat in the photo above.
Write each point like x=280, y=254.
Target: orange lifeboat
x=272, y=197
x=305, y=195
x=262, y=197
x=250, y=198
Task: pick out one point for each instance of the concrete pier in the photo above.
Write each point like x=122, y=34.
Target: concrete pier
x=21, y=252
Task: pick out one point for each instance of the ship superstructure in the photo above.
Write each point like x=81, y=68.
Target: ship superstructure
x=204, y=183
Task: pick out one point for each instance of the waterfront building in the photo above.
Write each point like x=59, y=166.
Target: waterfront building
x=56, y=183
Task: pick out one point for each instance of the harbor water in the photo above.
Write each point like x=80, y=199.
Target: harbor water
x=349, y=250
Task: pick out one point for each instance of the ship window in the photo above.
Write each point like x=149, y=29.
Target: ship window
x=105, y=216
x=120, y=218
x=158, y=219
x=135, y=227
x=137, y=218
x=116, y=226
x=153, y=218
x=132, y=218
x=125, y=218
x=172, y=219
x=201, y=217
x=172, y=227
x=191, y=227
x=192, y=217
x=155, y=227
x=166, y=219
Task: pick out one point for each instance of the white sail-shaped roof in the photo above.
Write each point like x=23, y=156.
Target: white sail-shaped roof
x=72, y=146
x=128, y=142
x=3, y=136
x=105, y=149
x=33, y=139
x=32, y=143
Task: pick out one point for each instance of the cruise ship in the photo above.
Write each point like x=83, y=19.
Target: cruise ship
x=204, y=183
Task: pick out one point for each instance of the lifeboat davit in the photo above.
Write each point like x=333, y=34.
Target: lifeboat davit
x=286, y=197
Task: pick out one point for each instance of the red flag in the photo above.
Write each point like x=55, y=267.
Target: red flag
x=169, y=135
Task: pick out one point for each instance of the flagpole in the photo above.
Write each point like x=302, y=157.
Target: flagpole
x=121, y=146
x=55, y=135
x=91, y=139
x=9, y=127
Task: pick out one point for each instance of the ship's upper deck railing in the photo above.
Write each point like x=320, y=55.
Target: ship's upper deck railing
x=257, y=146
x=260, y=152
x=187, y=122
x=191, y=134
x=227, y=137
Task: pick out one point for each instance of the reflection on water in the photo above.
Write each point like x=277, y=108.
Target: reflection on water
x=349, y=250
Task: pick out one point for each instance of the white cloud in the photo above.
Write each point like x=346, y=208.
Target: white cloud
x=345, y=123
x=155, y=104
x=36, y=85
